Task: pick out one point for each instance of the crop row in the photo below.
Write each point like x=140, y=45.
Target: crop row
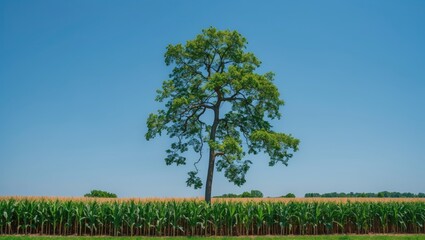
x=179, y=218
x=213, y=200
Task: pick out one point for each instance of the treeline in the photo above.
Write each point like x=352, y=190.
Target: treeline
x=252, y=194
x=384, y=194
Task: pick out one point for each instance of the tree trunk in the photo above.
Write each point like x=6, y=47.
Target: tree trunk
x=208, y=186
x=211, y=161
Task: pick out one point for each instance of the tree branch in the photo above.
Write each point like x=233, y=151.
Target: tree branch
x=219, y=154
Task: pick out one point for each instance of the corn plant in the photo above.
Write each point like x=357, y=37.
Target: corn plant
x=222, y=218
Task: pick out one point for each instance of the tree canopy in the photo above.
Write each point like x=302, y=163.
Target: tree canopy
x=215, y=99
x=100, y=194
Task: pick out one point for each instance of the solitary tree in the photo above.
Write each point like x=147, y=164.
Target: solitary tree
x=214, y=98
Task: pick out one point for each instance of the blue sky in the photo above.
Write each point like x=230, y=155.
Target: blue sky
x=78, y=80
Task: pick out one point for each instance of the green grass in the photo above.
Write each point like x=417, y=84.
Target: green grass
x=331, y=237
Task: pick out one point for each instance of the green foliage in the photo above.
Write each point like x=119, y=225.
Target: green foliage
x=44, y=217
x=289, y=195
x=252, y=194
x=384, y=194
x=323, y=237
x=256, y=194
x=229, y=195
x=215, y=98
x=100, y=194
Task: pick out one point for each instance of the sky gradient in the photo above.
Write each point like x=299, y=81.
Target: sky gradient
x=78, y=80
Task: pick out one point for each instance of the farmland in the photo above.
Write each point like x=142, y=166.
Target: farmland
x=292, y=237
x=193, y=217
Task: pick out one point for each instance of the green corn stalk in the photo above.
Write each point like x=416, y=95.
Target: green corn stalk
x=197, y=218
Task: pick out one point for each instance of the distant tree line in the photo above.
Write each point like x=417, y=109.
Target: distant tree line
x=384, y=194
x=100, y=194
x=289, y=195
x=252, y=194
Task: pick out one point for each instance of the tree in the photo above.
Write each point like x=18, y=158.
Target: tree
x=215, y=98
x=100, y=194
x=256, y=194
x=289, y=195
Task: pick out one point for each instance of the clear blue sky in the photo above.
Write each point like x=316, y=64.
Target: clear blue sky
x=78, y=80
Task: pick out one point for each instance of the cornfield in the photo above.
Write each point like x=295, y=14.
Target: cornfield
x=221, y=218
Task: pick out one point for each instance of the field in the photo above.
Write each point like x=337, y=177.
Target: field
x=214, y=200
x=323, y=237
x=224, y=217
